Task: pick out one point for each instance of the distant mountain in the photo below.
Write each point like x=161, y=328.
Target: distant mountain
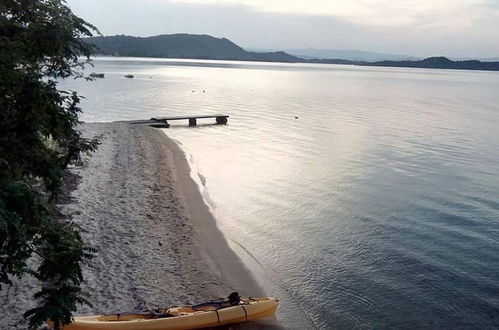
x=352, y=55
x=440, y=63
x=489, y=59
x=197, y=46
x=183, y=46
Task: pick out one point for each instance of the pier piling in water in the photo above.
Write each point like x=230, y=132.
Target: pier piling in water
x=222, y=120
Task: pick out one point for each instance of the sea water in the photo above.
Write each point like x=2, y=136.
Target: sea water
x=363, y=197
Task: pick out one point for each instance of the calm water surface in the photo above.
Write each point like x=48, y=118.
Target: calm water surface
x=378, y=207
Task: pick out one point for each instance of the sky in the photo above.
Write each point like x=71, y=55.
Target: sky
x=455, y=28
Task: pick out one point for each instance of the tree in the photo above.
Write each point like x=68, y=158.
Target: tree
x=40, y=41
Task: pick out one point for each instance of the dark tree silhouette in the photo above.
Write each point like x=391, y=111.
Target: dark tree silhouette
x=40, y=41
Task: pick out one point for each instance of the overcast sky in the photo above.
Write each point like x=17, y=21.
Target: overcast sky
x=457, y=28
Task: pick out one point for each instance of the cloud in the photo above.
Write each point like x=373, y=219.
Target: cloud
x=416, y=27
x=389, y=13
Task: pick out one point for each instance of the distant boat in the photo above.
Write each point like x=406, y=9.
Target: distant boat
x=97, y=75
x=129, y=76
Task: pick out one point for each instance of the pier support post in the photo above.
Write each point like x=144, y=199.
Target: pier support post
x=192, y=122
x=221, y=120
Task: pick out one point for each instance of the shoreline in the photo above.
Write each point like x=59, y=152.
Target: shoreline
x=429, y=63
x=215, y=250
x=157, y=241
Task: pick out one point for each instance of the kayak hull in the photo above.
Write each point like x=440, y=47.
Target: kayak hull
x=186, y=318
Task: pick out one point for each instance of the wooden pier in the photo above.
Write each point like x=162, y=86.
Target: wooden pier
x=163, y=121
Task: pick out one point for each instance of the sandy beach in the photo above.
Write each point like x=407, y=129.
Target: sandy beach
x=157, y=242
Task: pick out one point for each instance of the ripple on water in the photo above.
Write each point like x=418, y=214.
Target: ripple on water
x=376, y=208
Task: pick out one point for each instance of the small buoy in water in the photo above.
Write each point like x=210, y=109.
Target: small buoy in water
x=193, y=91
x=203, y=91
x=296, y=117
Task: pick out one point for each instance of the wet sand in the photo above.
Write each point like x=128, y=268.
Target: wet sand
x=157, y=242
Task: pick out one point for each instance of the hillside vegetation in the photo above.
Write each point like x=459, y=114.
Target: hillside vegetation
x=182, y=46
x=200, y=46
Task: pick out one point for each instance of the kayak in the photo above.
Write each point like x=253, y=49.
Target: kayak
x=210, y=314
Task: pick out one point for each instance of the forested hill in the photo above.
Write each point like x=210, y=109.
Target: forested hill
x=442, y=63
x=183, y=46
x=428, y=63
x=200, y=46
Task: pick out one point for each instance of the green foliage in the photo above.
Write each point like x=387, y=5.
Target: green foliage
x=183, y=46
x=40, y=41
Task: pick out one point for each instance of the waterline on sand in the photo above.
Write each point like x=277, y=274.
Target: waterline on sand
x=156, y=240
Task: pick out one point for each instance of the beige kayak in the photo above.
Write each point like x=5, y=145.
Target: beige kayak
x=200, y=316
